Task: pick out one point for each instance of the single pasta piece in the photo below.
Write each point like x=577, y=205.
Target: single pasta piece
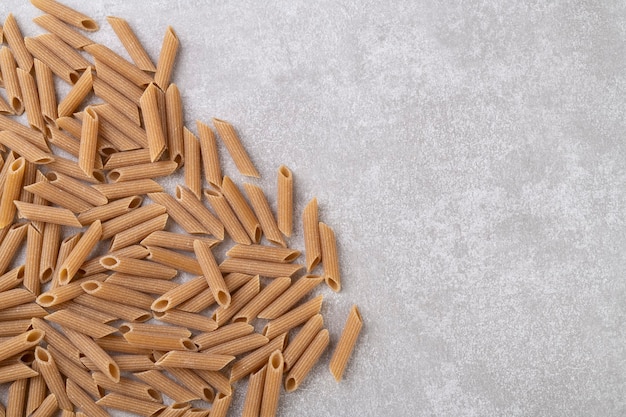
x=156, y=329
x=17, y=397
x=190, y=320
x=118, y=82
x=137, y=267
x=330, y=259
x=14, y=327
x=137, y=172
x=16, y=372
x=193, y=171
x=346, y=343
x=66, y=14
x=236, y=150
x=293, y=318
x=12, y=279
x=179, y=294
x=11, y=243
x=252, y=362
x=226, y=215
x=11, y=191
x=22, y=311
x=181, y=216
x=238, y=346
x=25, y=148
x=216, y=379
x=264, y=253
x=118, y=294
x=129, y=188
x=76, y=188
x=110, y=114
x=170, y=240
x=212, y=273
x=164, y=384
x=71, y=169
x=34, y=137
x=131, y=43
x=169, y=342
x=289, y=298
x=111, y=210
x=4, y=106
x=305, y=336
x=93, y=266
x=127, y=158
x=56, y=64
x=63, y=31
x=120, y=344
x=57, y=340
x=222, y=335
x=8, y=66
x=11, y=32
x=147, y=285
x=76, y=95
x=271, y=389
x=31, y=175
x=20, y=343
x=15, y=297
x=116, y=99
x=88, y=141
x=175, y=410
x=34, y=240
x=48, y=407
x=164, y=68
x=221, y=405
x=118, y=224
x=263, y=268
x=51, y=193
x=48, y=369
x=47, y=94
x=188, y=200
x=90, y=349
x=37, y=391
x=210, y=157
x=205, y=298
x=89, y=313
x=254, y=395
x=119, y=310
x=127, y=363
x=251, y=310
x=239, y=299
x=67, y=292
x=306, y=362
x=312, y=245
x=190, y=380
x=77, y=257
x=194, y=360
x=174, y=114
x=31, y=100
x=68, y=54
x=83, y=401
x=113, y=60
x=49, y=251
x=75, y=372
x=152, y=121
x=128, y=387
x=67, y=319
x=285, y=200
x=241, y=208
x=134, y=234
x=130, y=404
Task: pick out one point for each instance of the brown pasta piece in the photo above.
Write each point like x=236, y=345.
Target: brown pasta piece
x=221, y=405
x=87, y=152
x=222, y=335
x=210, y=157
x=194, y=360
x=251, y=310
x=16, y=372
x=47, y=92
x=293, y=318
x=22, y=311
x=68, y=54
x=66, y=14
x=130, y=404
x=128, y=188
x=15, y=297
x=239, y=299
x=131, y=43
x=8, y=66
x=128, y=387
x=57, y=340
x=116, y=99
x=178, y=213
x=263, y=253
x=118, y=224
x=56, y=64
x=271, y=389
x=50, y=372
x=51, y=193
x=153, y=123
x=77, y=94
x=20, y=343
x=252, y=362
x=111, y=210
x=330, y=259
x=111, y=77
x=127, y=158
x=312, y=246
x=191, y=381
x=49, y=251
x=263, y=268
x=34, y=241
x=14, y=327
x=193, y=171
x=306, y=362
x=93, y=266
x=174, y=113
x=25, y=148
x=190, y=320
x=147, y=285
x=235, y=148
x=170, y=388
x=17, y=396
x=34, y=137
x=110, y=114
x=179, y=294
x=11, y=191
x=118, y=294
x=90, y=349
x=74, y=371
x=305, y=336
x=11, y=32
x=346, y=343
x=48, y=407
x=124, y=67
x=165, y=65
x=83, y=401
x=137, y=267
x=170, y=240
x=63, y=31
x=119, y=310
x=175, y=410
x=120, y=344
x=77, y=257
x=264, y=213
x=71, y=169
x=11, y=243
x=134, y=234
x=30, y=97
x=238, y=346
x=187, y=199
x=76, y=188
x=212, y=273
x=254, y=395
x=67, y=319
x=226, y=215
x=205, y=298
x=12, y=279
x=137, y=172
x=37, y=391
x=291, y=296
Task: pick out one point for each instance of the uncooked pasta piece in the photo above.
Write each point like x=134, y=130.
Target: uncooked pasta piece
x=34, y=137
x=127, y=158
x=11, y=243
x=197, y=412
x=216, y=379
x=205, y=298
x=49, y=251
x=31, y=175
x=118, y=224
x=89, y=313
x=128, y=387
x=212, y=273
x=11, y=32
x=285, y=200
x=70, y=320
x=235, y=148
x=175, y=410
x=71, y=169
x=130, y=404
x=170, y=240
x=83, y=401
x=252, y=362
x=293, y=318
x=194, y=360
x=165, y=65
x=239, y=299
x=194, y=206
x=167, y=386
x=77, y=94
x=254, y=395
x=93, y=265
x=57, y=340
x=22, y=311
x=226, y=215
x=193, y=171
x=20, y=343
x=306, y=362
x=264, y=253
x=15, y=372
x=271, y=389
x=26, y=149
x=111, y=210
x=56, y=64
x=147, y=285
x=68, y=54
x=250, y=311
x=134, y=234
x=15, y=297
x=291, y=296
x=263, y=268
x=90, y=349
x=123, y=123
x=12, y=279
x=221, y=405
x=210, y=157
x=127, y=363
x=131, y=43
x=77, y=257
x=63, y=31
x=330, y=259
x=305, y=336
x=136, y=172
x=48, y=407
x=37, y=391
x=190, y=320
x=17, y=397
x=160, y=341
x=4, y=109
x=14, y=327
x=152, y=121
x=238, y=346
x=66, y=14
x=49, y=192
x=76, y=188
x=119, y=310
x=48, y=368
x=154, y=329
x=74, y=371
x=31, y=100
x=346, y=343
x=116, y=99
x=34, y=241
x=222, y=335
x=8, y=66
x=117, y=293
x=120, y=344
x=87, y=153
x=190, y=380
x=47, y=93
x=121, y=65
x=179, y=294
x=118, y=82
x=312, y=245
x=137, y=267
x=174, y=114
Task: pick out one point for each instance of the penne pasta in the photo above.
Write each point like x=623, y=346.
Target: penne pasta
x=50, y=247
x=263, y=268
x=56, y=64
x=30, y=98
x=77, y=94
x=128, y=188
x=264, y=298
x=32, y=136
x=20, y=343
x=17, y=396
x=48, y=369
x=120, y=344
x=31, y=175
x=181, y=216
x=48, y=407
x=190, y=320
x=109, y=113
x=93, y=265
x=131, y=43
x=136, y=233
x=264, y=213
x=68, y=54
x=63, y=31
x=238, y=346
x=175, y=410
x=67, y=246
x=170, y=388
x=263, y=253
x=137, y=267
x=66, y=14
x=293, y=318
x=11, y=243
x=90, y=349
x=49, y=192
x=78, y=255
x=34, y=241
x=113, y=60
x=239, y=299
x=130, y=404
x=128, y=387
x=179, y=294
x=254, y=395
x=127, y=363
x=75, y=372
x=346, y=343
x=87, y=152
x=16, y=372
x=205, y=298
x=112, y=292
x=71, y=169
x=11, y=191
x=312, y=245
x=329, y=257
x=56, y=340
x=174, y=114
x=47, y=92
x=26, y=149
x=12, y=34
x=216, y=379
x=22, y=311
x=221, y=405
x=174, y=260
x=111, y=210
x=194, y=360
x=111, y=77
x=194, y=206
x=291, y=296
x=83, y=401
x=37, y=391
x=137, y=172
x=212, y=273
x=116, y=99
x=285, y=200
x=165, y=65
x=76, y=188
x=119, y=310
x=128, y=158
x=222, y=335
x=306, y=362
x=67, y=319
x=170, y=240
x=193, y=171
x=155, y=329
x=271, y=389
x=64, y=141
x=152, y=121
x=14, y=327
x=89, y=313
x=12, y=279
x=227, y=217
x=15, y=297
x=8, y=67
x=147, y=285
x=210, y=157
x=305, y=336
x=235, y=148
x=5, y=109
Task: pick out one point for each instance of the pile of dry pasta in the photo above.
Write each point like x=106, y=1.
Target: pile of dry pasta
x=99, y=316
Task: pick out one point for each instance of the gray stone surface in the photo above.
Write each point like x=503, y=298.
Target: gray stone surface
x=470, y=157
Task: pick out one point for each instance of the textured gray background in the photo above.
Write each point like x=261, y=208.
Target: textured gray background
x=470, y=156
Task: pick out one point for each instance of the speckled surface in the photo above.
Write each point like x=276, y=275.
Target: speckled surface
x=471, y=158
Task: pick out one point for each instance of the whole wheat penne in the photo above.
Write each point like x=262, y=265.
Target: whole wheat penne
x=128, y=158
x=330, y=259
x=70, y=124
x=15, y=372
x=76, y=95
x=239, y=299
x=147, y=285
x=179, y=294
x=38, y=200
x=20, y=343
x=130, y=404
x=222, y=335
x=83, y=401
x=120, y=344
x=129, y=188
x=25, y=148
x=194, y=360
x=165, y=65
x=312, y=245
x=206, y=299
x=4, y=232
x=285, y=200
x=306, y=362
x=74, y=371
x=254, y=395
x=119, y=310
x=128, y=387
x=31, y=175
x=137, y=267
x=48, y=407
x=34, y=241
x=89, y=313
x=221, y=405
x=76, y=188
x=216, y=379
x=5, y=109
x=271, y=389
x=174, y=114
x=291, y=296
x=134, y=234
x=34, y=137
x=93, y=266
x=77, y=257
x=71, y=169
x=181, y=216
x=175, y=410
x=68, y=54
x=170, y=240
x=111, y=210
x=305, y=336
x=210, y=157
x=263, y=253
x=170, y=388
x=226, y=215
x=127, y=363
x=48, y=369
x=11, y=191
x=37, y=391
x=47, y=93
x=111, y=114
x=12, y=279
x=11, y=243
x=346, y=343
x=56, y=64
x=30, y=96
x=212, y=273
x=193, y=171
x=118, y=82
x=15, y=297
x=190, y=320
x=56, y=339
x=49, y=251
x=235, y=148
x=116, y=99
x=67, y=246
x=13, y=36
x=293, y=318
x=118, y=224
x=263, y=268
x=113, y=60
x=55, y=195
x=111, y=139
x=131, y=43
x=17, y=397
x=70, y=320
x=194, y=206
x=8, y=66
x=63, y=31
x=116, y=293
x=193, y=383
x=66, y=14
x=152, y=121
x=93, y=351
x=264, y=213
x=22, y=311
x=13, y=328
x=155, y=329
x=241, y=208
x=64, y=140
x=87, y=153
x=136, y=172
x=238, y=346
